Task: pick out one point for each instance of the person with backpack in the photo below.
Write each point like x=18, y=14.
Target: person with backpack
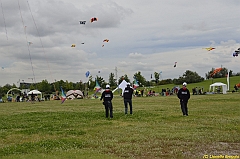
x=107, y=97
x=127, y=97
x=184, y=96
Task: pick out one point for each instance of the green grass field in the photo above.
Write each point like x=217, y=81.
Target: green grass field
x=204, y=84
x=78, y=129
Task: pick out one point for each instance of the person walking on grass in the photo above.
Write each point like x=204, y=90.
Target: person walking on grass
x=33, y=98
x=107, y=97
x=127, y=96
x=184, y=96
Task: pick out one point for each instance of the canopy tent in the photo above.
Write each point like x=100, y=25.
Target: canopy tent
x=13, y=89
x=218, y=84
x=35, y=92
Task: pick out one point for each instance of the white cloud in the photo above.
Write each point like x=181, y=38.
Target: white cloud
x=144, y=36
x=135, y=55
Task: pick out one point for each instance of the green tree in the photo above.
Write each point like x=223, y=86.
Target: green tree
x=166, y=81
x=125, y=77
x=101, y=82
x=59, y=84
x=32, y=86
x=44, y=86
x=112, y=80
x=189, y=77
x=222, y=73
x=68, y=85
x=157, y=77
x=141, y=80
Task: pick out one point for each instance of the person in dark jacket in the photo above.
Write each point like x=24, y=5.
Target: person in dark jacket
x=184, y=96
x=107, y=97
x=127, y=96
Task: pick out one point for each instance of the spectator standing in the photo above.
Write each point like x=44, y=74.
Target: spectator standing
x=184, y=96
x=107, y=97
x=127, y=96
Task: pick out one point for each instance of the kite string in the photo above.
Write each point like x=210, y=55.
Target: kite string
x=41, y=44
x=26, y=41
x=4, y=20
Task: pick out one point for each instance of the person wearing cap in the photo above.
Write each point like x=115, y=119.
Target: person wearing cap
x=127, y=96
x=184, y=96
x=107, y=97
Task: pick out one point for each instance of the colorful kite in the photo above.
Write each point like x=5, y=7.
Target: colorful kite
x=93, y=19
x=175, y=64
x=73, y=45
x=106, y=40
x=235, y=54
x=209, y=48
x=135, y=83
x=97, y=87
x=30, y=43
x=217, y=70
x=63, y=98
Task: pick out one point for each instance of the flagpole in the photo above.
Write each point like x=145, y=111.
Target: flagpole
x=228, y=81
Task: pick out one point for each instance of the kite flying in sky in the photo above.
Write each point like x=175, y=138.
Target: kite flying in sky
x=82, y=22
x=73, y=45
x=209, y=48
x=93, y=19
x=106, y=40
x=217, y=70
x=175, y=64
x=87, y=74
x=235, y=54
x=30, y=43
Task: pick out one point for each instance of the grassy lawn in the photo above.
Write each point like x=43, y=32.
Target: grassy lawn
x=78, y=128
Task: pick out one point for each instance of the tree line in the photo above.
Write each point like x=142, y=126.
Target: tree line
x=48, y=88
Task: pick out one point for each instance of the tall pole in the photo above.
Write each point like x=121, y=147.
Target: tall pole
x=32, y=81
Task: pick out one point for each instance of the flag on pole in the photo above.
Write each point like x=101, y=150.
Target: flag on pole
x=97, y=87
x=63, y=98
x=135, y=83
x=228, y=81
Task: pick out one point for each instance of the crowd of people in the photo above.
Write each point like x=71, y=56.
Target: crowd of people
x=21, y=97
x=107, y=95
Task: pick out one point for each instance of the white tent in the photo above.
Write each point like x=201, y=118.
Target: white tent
x=35, y=92
x=218, y=84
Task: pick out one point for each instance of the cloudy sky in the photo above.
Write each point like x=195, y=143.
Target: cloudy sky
x=147, y=36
